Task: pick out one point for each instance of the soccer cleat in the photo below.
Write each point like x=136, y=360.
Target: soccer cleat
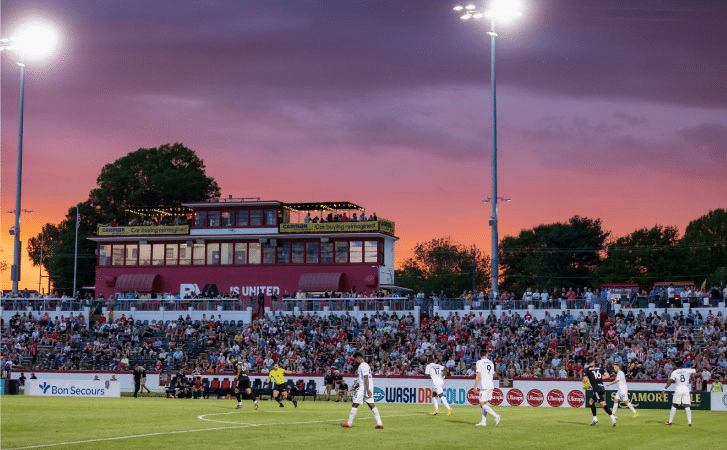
x=667, y=423
x=436, y=411
x=636, y=415
x=256, y=404
x=238, y=407
x=449, y=412
x=381, y=427
x=295, y=403
x=345, y=425
x=481, y=424
x=613, y=420
x=594, y=421
x=690, y=424
x=497, y=420
x=281, y=405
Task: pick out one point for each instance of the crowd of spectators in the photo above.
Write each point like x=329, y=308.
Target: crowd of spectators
x=341, y=218
x=520, y=345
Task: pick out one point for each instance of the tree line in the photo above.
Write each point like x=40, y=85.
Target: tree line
x=577, y=253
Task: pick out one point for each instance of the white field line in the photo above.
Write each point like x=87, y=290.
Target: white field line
x=163, y=433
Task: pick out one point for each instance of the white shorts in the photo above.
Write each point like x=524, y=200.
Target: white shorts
x=438, y=389
x=359, y=397
x=485, y=395
x=681, y=396
x=622, y=395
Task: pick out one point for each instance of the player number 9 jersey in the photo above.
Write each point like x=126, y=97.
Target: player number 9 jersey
x=486, y=370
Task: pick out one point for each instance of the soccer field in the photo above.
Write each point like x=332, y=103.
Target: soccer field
x=160, y=423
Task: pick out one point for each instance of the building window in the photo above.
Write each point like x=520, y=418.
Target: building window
x=213, y=218
x=158, y=255
x=311, y=252
x=132, y=254
x=253, y=255
x=371, y=254
x=270, y=217
x=226, y=253
x=118, y=255
x=268, y=254
x=200, y=219
x=172, y=250
x=356, y=250
x=185, y=254
x=242, y=217
x=341, y=252
x=226, y=219
x=256, y=218
x=198, y=254
x=241, y=253
x=213, y=253
x=283, y=252
x=104, y=255
x=297, y=253
x=144, y=254
x=326, y=252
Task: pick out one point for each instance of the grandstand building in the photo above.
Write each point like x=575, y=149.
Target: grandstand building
x=244, y=247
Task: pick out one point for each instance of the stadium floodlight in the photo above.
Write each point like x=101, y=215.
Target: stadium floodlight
x=34, y=41
x=497, y=11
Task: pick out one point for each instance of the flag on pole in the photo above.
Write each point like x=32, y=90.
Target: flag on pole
x=78, y=217
x=704, y=284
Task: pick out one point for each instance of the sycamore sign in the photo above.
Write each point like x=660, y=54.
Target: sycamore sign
x=655, y=399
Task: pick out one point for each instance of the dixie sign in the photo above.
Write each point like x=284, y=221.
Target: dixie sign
x=72, y=388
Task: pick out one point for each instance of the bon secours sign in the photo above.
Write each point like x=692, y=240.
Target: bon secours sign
x=72, y=388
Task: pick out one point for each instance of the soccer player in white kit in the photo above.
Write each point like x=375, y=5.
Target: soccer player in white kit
x=436, y=372
x=680, y=378
x=364, y=392
x=623, y=392
x=485, y=372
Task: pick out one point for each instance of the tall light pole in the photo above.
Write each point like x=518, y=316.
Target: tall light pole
x=33, y=41
x=497, y=10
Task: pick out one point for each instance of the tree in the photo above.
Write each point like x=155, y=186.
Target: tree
x=553, y=256
x=164, y=176
x=644, y=257
x=443, y=265
x=705, y=240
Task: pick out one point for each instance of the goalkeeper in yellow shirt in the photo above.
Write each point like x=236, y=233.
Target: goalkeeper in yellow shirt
x=279, y=391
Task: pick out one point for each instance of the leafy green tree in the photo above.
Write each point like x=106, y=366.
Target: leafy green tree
x=164, y=176
x=644, y=257
x=553, y=256
x=705, y=240
x=443, y=265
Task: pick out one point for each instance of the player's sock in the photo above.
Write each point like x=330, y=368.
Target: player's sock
x=631, y=407
x=671, y=413
x=593, y=410
x=484, y=415
x=689, y=414
x=615, y=406
x=252, y=397
x=239, y=398
x=377, y=416
x=445, y=402
x=352, y=415
x=489, y=410
x=608, y=410
x=435, y=402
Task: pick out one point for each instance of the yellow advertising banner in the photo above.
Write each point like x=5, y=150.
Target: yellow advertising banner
x=383, y=226
x=103, y=230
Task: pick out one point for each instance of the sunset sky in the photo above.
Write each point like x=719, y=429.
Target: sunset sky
x=610, y=110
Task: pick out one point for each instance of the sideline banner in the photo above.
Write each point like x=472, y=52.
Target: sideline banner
x=72, y=388
x=719, y=401
x=103, y=230
x=655, y=399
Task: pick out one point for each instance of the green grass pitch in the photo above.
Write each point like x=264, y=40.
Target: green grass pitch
x=160, y=423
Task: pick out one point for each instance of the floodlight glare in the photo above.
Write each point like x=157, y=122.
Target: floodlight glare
x=35, y=40
x=504, y=10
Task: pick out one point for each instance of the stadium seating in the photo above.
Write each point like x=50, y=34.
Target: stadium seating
x=225, y=388
x=311, y=390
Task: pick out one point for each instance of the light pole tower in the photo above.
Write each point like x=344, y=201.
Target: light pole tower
x=497, y=10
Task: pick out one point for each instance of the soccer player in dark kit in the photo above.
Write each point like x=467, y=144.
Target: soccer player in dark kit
x=593, y=375
x=242, y=382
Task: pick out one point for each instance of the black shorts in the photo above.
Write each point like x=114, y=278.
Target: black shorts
x=243, y=383
x=598, y=396
x=280, y=387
